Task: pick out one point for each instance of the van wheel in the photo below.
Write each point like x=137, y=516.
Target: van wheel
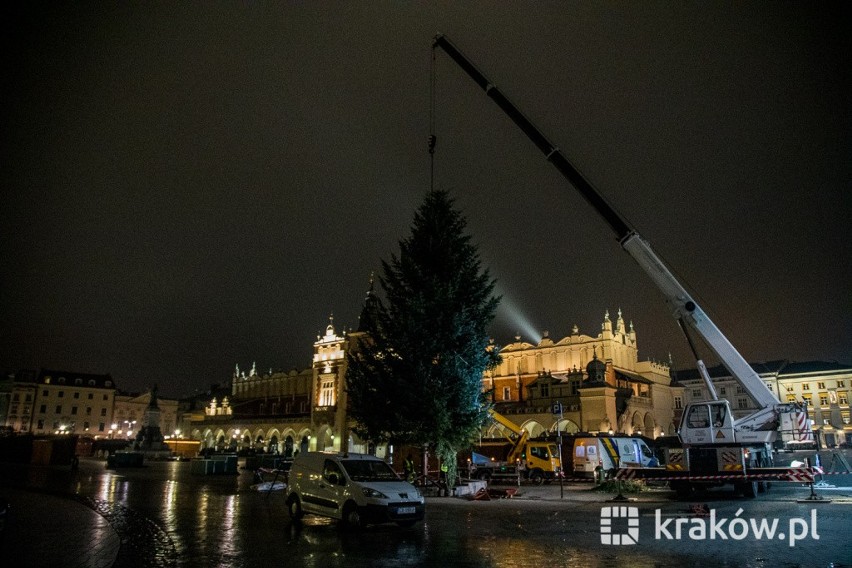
x=351, y=516
x=536, y=477
x=294, y=507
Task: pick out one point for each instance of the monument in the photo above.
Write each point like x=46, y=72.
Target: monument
x=149, y=440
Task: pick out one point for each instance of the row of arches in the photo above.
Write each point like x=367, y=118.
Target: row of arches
x=637, y=423
x=284, y=441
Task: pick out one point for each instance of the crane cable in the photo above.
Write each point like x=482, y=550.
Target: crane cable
x=432, y=138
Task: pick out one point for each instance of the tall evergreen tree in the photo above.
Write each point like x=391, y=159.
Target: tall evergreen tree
x=416, y=374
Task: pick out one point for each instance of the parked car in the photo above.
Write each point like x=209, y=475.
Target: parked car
x=356, y=489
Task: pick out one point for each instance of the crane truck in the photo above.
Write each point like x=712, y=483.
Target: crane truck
x=533, y=460
x=714, y=447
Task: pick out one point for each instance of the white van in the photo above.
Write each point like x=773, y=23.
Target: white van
x=610, y=453
x=357, y=489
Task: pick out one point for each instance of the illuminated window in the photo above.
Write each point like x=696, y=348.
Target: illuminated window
x=841, y=384
x=507, y=393
x=791, y=398
x=823, y=399
x=807, y=399
x=327, y=392
x=806, y=386
x=842, y=397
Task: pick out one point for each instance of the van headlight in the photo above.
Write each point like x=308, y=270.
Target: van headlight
x=373, y=494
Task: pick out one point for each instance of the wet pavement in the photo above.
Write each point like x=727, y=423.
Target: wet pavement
x=161, y=515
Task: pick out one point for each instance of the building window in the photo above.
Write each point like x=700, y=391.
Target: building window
x=28, y=397
x=16, y=397
x=791, y=398
x=59, y=409
x=789, y=388
x=103, y=411
x=845, y=416
x=44, y=392
x=91, y=396
x=101, y=427
x=73, y=410
x=823, y=399
x=742, y=402
x=507, y=393
x=545, y=390
x=327, y=392
x=61, y=394
x=841, y=384
x=842, y=397
x=91, y=382
x=105, y=397
x=85, y=425
x=806, y=386
x=88, y=411
x=722, y=391
x=78, y=381
x=40, y=424
x=76, y=395
x=820, y=385
x=108, y=384
x=740, y=390
x=61, y=380
x=678, y=403
x=696, y=393
x=807, y=399
x=42, y=409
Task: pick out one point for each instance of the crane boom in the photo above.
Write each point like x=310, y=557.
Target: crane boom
x=683, y=306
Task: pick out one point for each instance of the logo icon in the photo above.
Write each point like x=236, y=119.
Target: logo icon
x=631, y=514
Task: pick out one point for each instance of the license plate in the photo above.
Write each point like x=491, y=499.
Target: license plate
x=405, y=511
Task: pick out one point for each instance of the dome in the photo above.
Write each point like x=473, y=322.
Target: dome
x=596, y=370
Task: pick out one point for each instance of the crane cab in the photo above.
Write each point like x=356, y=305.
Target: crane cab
x=708, y=422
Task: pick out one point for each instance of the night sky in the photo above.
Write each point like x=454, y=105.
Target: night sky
x=193, y=185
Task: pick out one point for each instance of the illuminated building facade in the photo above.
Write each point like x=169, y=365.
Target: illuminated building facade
x=599, y=382
x=72, y=403
x=281, y=412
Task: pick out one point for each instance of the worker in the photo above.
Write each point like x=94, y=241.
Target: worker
x=408, y=469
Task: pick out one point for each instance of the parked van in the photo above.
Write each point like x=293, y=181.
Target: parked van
x=610, y=453
x=356, y=489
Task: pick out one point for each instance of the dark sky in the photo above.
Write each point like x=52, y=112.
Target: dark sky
x=192, y=185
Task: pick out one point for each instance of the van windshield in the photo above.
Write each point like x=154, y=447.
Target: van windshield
x=369, y=470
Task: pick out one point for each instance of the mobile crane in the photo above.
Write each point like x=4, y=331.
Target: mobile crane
x=714, y=444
